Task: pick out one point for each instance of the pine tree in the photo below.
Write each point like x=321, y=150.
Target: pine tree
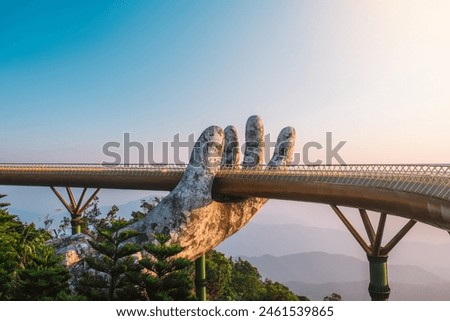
x=3, y=205
x=108, y=280
x=29, y=269
x=168, y=278
x=43, y=277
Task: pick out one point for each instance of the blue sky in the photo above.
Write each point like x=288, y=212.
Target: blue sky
x=77, y=74
x=74, y=75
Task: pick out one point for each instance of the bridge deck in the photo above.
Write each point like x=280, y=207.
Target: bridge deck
x=420, y=192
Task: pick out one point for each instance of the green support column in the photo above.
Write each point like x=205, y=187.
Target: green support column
x=75, y=208
x=76, y=227
x=200, y=278
x=378, y=287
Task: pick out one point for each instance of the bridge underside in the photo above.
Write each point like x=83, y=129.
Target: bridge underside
x=424, y=209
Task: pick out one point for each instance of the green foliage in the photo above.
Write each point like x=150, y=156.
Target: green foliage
x=146, y=208
x=2, y=204
x=168, y=277
x=108, y=280
x=274, y=291
x=116, y=275
x=43, y=278
x=10, y=229
x=91, y=220
x=246, y=282
x=241, y=281
x=29, y=269
x=219, y=271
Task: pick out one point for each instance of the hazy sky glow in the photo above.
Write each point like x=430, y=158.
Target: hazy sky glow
x=76, y=75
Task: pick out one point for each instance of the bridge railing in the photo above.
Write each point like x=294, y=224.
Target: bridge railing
x=384, y=168
x=430, y=180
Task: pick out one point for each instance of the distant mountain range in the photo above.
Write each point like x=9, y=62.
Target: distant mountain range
x=299, y=256
x=321, y=267
x=261, y=239
x=125, y=211
x=28, y=216
x=317, y=274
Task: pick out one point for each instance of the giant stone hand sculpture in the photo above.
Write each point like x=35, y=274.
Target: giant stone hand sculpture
x=195, y=218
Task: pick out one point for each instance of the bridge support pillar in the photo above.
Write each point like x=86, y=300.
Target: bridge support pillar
x=75, y=208
x=376, y=254
x=200, y=278
x=378, y=287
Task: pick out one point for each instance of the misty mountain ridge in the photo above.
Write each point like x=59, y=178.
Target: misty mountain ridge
x=322, y=267
x=125, y=211
x=317, y=274
x=261, y=239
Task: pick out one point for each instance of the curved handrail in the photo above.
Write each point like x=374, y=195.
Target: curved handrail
x=422, y=179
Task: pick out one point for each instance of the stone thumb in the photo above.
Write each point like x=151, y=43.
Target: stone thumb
x=204, y=162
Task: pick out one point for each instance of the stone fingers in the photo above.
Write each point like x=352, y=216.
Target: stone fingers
x=231, y=153
x=254, y=142
x=284, y=149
